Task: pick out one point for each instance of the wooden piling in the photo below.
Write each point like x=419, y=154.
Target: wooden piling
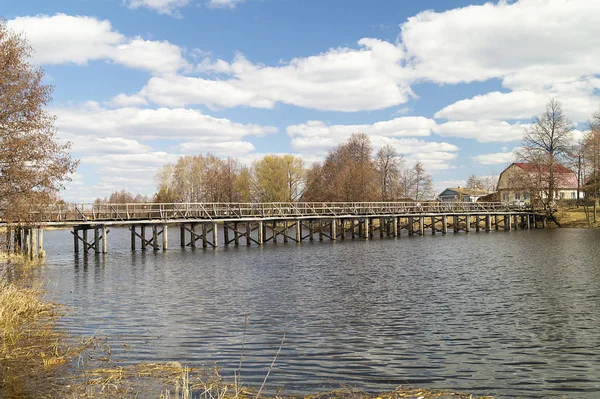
x=133, y=238
x=298, y=230
x=204, y=233
x=41, y=252
x=165, y=237
x=333, y=231
x=421, y=225
x=260, y=233
x=76, y=239
x=154, y=237
x=236, y=234
x=193, y=235
x=104, y=241
x=143, y=235
x=215, y=234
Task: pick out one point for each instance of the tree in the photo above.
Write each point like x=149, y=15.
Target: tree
x=348, y=173
x=388, y=165
x=278, y=178
x=544, y=145
x=476, y=183
x=33, y=166
x=416, y=183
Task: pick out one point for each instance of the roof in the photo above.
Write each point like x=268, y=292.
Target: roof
x=529, y=167
x=465, y=191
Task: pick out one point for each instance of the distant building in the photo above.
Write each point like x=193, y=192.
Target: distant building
x=520, y=181
x=460, y=194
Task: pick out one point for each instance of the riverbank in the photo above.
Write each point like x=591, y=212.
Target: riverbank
x=37, y=361
x=577, y=217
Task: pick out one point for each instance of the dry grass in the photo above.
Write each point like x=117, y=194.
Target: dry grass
x=577, y=217
x=30, y=347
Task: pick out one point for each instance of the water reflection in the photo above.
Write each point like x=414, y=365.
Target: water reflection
x=501, y=313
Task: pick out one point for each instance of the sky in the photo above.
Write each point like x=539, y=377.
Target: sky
x=450, y=83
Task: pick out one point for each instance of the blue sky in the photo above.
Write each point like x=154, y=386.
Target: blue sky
x=453, y=84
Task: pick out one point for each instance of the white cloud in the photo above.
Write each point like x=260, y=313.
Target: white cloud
x=484, y=131
x=433, y=161
x=495, y=158
x=528, y=42
x=103, y=145
x=319, y=135
x=161, y=6
x=66, y=39
x=342, y=79
x=151, y=124
x=223, y=3
x=224, y=149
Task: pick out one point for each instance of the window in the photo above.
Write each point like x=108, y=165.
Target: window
x=573, y=195
x=517, y=196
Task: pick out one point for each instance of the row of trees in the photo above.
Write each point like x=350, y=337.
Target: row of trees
x=350, y=172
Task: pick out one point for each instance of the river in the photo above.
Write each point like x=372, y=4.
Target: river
x=504, y=313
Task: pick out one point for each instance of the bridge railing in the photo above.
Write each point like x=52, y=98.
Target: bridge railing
x=211, y=211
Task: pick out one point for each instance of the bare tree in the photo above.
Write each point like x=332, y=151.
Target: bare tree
x=388, y=164
x=33, y=166
x=543, y=147
x=476, y=183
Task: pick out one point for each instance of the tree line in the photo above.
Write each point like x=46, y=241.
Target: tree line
x=349, y=173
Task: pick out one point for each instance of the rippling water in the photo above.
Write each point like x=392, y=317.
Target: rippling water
x=510, y=314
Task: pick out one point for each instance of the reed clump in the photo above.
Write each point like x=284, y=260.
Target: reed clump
x=30, y=347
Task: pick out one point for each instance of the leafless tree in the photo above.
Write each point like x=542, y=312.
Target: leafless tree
x=544, y=145
x=388, y=164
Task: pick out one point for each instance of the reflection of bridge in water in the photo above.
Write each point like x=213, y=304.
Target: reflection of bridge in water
x=205, y=224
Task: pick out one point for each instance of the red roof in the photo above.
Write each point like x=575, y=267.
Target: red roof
x=529, y=167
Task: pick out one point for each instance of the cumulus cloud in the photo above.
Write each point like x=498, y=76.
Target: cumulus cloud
x=319, y=135
x=474, y=43
x=342, y=79
x=161, y=6
x=66, y=39
x=152, y=124
x=223, y=3
x=484, y=131
x=316, y=138
x=495, y=158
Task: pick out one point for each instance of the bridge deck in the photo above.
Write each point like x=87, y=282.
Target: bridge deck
x=68, y=215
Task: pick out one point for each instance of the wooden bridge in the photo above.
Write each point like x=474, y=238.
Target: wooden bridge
x=204, y=224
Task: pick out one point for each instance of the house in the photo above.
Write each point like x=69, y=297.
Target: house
x=521, y=181
x=460, y=194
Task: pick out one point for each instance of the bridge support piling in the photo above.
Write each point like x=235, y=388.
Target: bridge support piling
x=96, y=240
x=455, y=224
x=366, y=228
x=215, y=234
x=528, y=221
x=395, y=228
x=104, y=242
x=75, y=233
x=260, y=233
x=333, y=231
x=488, y=223
x=298, y=231
x=421, y=225
x=225, y=234
x=285, y=232
x=32, y=244
x=444, y=224
x=236, y=234
x=248, y=234
x=468, y=223
x=165, y=237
